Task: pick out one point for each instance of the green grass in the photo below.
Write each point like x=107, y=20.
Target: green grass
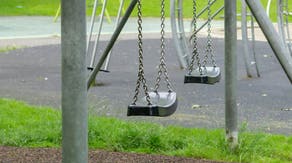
x=29, y=126
x=28, y=7
x=8, y=48
x=150, y=8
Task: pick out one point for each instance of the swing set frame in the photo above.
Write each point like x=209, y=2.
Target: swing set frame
x=74, y=94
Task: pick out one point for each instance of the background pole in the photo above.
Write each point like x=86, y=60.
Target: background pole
x=245, y=39
x=74, y=85
x=230, y=73
x=280, y=49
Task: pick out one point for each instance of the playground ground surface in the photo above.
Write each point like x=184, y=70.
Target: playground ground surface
x=32, y=73
x=50, y=155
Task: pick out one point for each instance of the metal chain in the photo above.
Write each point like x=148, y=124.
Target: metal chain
x=209, y=48
x=162, y=65
x=195, y=51
x=141, y=77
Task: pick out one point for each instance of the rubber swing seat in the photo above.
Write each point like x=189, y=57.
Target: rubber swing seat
x=163, y=104
x=210, y=75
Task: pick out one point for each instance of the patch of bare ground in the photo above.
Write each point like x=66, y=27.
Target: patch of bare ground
x=52, y=155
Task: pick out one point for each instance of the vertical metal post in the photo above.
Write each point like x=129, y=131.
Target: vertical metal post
x=280, y=49
x=230, y=73
x=74, y=86
x=245, y=39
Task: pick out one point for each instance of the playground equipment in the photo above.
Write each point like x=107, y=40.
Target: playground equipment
x=275, y=41
x=120, y=11
x=74, y=94
x=98, y=33
x=100, y=23
x=178, y=32
x=154, y=103
x=250, y=59
x=182, y=45
x=203, y=73
x=283, y=15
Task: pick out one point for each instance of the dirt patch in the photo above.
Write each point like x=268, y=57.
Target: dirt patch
x=51, y=155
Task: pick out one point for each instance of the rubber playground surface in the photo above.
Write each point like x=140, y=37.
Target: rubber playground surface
x=33, y=73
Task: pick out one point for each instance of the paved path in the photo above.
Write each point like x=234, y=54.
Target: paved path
x=32, y=27
x=33, y=74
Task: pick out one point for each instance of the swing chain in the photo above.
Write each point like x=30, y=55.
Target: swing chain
x=209, y=50
x=162, y=65
x=195, y=51
x=141, y=77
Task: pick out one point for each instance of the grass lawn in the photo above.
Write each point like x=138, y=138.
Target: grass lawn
x=23, y=125
x=150, y=8
x=8, y=48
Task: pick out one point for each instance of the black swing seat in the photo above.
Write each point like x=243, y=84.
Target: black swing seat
x=91, y=69
x=163, y=104
x=209, y=75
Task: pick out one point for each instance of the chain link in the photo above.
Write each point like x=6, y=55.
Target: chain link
x=209, y=51
x=141, y=77
x=195, y=50
x=162, y=65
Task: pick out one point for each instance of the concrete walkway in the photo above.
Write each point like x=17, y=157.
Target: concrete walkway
x=35, y=27
x=23, y=30
x=29, y=27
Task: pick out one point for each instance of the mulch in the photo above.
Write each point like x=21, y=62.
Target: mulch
x=52, y=155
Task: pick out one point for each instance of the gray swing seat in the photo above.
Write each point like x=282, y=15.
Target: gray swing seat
x=209, y=75
x=163, y=104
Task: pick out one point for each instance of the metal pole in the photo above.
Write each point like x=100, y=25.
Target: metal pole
x=91, y=25
x=204, y=9
x=106, y=65
x=181, y=33
x=95, y=47
x=245, y=39
x=287, y=14
x=111, y=43
x=74, y=92
x=57, y=13
x=280, y=20
x=178, y=33
x=230, y=73
x=212, y=17
x=253, y=45
x=268, y=8
x=281, y=51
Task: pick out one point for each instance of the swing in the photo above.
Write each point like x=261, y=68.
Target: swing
x=208, y=75
x=163, y=104
x=154, y=103
x=204, y=73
